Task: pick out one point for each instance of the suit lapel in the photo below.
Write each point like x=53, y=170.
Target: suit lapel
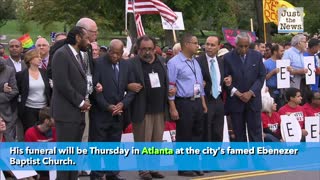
x=221, y=68
x=75, y=62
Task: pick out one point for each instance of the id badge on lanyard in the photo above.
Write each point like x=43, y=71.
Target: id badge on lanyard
x=196, y=90
x=154, y=80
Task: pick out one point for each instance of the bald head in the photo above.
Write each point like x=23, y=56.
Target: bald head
x=116, y=50
x=43, y=46
x=91, y=26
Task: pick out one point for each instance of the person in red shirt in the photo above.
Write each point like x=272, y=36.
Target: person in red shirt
x=2, y=129
x=312, y=107
x=294, y=98
x=270, y=120
x=43, y=132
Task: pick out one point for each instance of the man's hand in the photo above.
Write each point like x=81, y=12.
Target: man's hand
x=172, y=91
x=247, y=96
x=204, y=83
x=86, y=106
x=135, y=87
x=118, y=109
x=99, y=88
x=174, y=114
x=304, y=133
x=110, y=108
x=7, y=88
x=228, y=80
x=205, y=108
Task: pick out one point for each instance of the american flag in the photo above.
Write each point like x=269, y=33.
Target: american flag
x=140, y=29
x=151, y=7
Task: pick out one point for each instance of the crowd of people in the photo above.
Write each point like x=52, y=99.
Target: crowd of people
x=95, y=93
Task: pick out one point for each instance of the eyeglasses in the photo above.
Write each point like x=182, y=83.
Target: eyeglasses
x=146, y=49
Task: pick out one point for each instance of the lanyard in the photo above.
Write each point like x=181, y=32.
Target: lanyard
x=193, y=70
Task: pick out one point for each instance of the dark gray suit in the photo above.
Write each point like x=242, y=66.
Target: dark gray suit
x=69, y=90
x=10, y=63
x=8, y=76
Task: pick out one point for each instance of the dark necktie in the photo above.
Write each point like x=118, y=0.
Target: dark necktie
x=243, y=59
x=80, y=61
x=43, y=66
x=116, y=73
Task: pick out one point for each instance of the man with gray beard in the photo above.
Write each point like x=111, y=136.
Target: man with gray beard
x=149, y=109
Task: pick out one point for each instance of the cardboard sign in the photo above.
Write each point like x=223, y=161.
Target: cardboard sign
x=231, y=34
x=290, y=128
x=309, y=64
x=283, y=77
x=290, y=20
x=312, y=127
x=177, y=25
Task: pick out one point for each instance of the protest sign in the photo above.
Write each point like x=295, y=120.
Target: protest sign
x=283, y=77
x=290, y=20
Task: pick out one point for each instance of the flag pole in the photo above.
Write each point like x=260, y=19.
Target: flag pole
x=264, y=24
x=251, y=24
x=174, y=35
x=126, y=17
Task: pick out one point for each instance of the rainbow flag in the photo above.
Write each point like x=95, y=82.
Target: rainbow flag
x=26, y=41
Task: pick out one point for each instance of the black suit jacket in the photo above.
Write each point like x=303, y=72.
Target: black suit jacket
x=114, y=92
x=69, y=86
x=138, y=106
x=245, y=76
x=202, y=60
x=23, y=86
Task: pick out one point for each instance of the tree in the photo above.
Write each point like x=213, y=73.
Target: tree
x=6, y=11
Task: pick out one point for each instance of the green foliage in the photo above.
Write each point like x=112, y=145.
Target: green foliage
x=280, y=38
x=6, y=11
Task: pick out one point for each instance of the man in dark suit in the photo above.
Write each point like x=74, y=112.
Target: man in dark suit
x=212, y=69
x=8, y=90
x=106, y=125
x=248, y=73
x=69, y=91
x=15, y=61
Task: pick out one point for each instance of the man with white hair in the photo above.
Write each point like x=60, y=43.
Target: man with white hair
x=176, y=49
x=243, y=103
x=43, y=46
x=295, y=55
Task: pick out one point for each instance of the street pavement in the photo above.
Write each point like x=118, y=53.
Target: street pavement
x=248, y=175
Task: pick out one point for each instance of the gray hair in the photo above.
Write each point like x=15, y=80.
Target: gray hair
x=296, y=39
x=85, y=22
x=267, y=103
x=243, y=35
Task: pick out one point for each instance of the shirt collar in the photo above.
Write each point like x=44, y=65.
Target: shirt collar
x=296, y=50
x=183, y=58
x=209, y=58
x=14, y=60
x=74, y=52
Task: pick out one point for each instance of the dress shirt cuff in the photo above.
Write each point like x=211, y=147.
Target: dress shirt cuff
x=233, y=90
x=172, y=98
x=82, y=103
x=253, y=94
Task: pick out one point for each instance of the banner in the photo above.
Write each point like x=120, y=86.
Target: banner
x=270, y=11
x=26, y=41
x=290, y=20
x=283, y=77
x=106, y=156
x=231, y=34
